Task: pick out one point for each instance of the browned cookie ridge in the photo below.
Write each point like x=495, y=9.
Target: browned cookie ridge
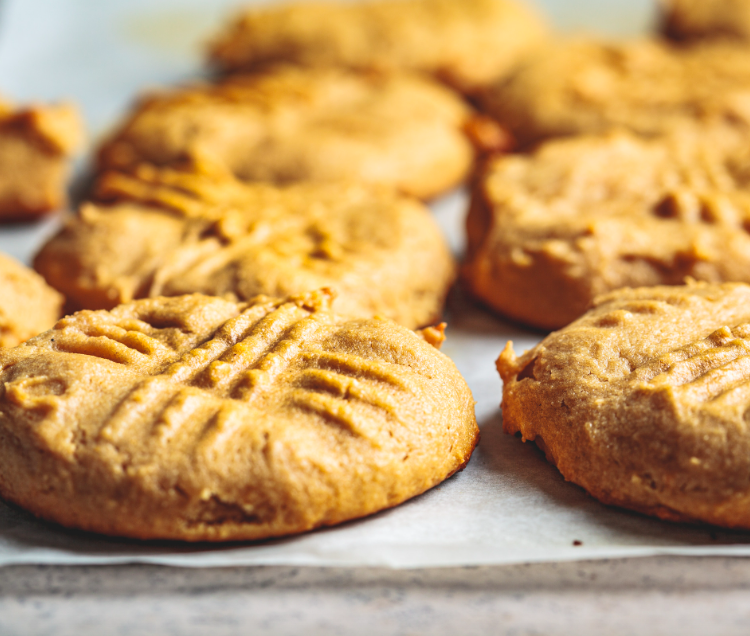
x=644, y=401
x=288, y=124
x=551, y=230
x=170, y=232
x=650, y=87
x=468, y=43
x=35, y=146
x=201, y=419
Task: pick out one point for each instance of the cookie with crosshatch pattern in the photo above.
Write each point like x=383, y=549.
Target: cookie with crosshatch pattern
x=164, y=232
x=202, y=419
x=645, y=401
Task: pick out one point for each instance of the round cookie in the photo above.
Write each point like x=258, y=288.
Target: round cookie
x=163, y=232
x=201, y=419
x=691, y=19
x=649, y=87
x=28, y=305
x=468, y=43
x=551, y=230
x=644, y=401
x=36, y=143
x=289, y=124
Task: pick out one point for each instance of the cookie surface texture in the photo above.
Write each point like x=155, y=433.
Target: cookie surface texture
x=691, y=19
x=216, y=421
x=551, y=230
x=35, y=146
x=644, y=401
x=468, y=43
x=649, y=87
x=162, y=232
x=28, y=305
x=289, y=124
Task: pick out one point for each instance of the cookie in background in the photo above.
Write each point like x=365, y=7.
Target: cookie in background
x=467, y=43
x=28, y=305
x=687, y=20
x=289, y=124
x=549, y=231
x=583, y=86
x=167, y=232
x=36, y=144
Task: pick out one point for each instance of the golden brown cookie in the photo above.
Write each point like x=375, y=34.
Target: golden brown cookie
x=551, y=230
x=468, y=43
x=202, y=419
x=28, y=305
x=644, y=401
x=585, y=86
x=691, y=19
x=161, y=232
x=35, y=145
x=290, y=125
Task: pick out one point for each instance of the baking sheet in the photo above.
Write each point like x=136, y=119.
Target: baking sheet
x=508, y=506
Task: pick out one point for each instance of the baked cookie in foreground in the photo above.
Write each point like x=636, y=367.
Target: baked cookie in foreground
x=36, y=143
x=550, y=230
x=644, y=401
x=691, y=19
x=289, y=124
x=201, y=419
x=164, y=232
x=586, y=86
x=468, y=43
x=28, y=305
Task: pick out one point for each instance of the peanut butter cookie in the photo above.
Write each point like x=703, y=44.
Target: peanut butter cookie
x=35, y=145
x=646, y=86
x=289, y=125
x=468, y=43
x=202, y=419
x=644, y=401
x=28, y=305
x=691, y=19
x=551, y=230
x=163, y=232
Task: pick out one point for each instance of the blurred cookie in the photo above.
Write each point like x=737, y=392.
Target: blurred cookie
x=647, y=86
x=35, y=145
x=290, y=125
x=551, y=230
x=162, y=232
x=644, y=401
x=468, y=43
x=691, y=19
x=28, y=305
x=219, y=421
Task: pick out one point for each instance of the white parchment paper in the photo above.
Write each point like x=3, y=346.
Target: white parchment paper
x=508, y=506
